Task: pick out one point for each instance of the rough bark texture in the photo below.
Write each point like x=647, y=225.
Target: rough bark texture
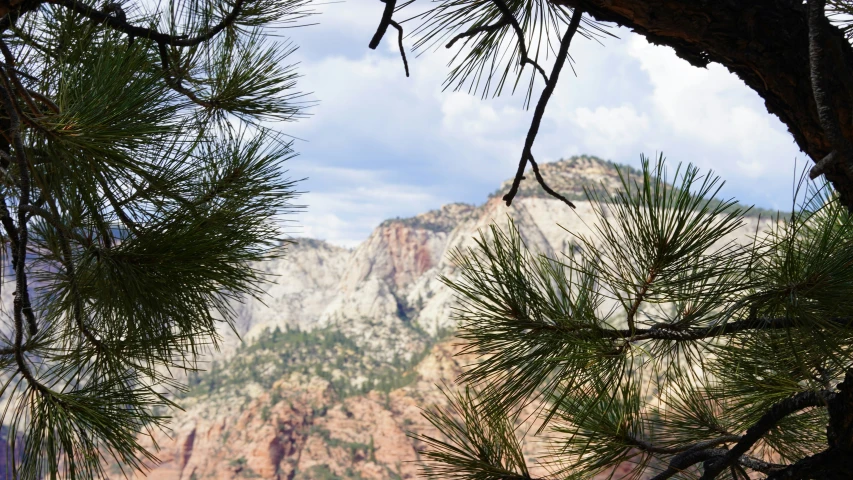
x=765, y=43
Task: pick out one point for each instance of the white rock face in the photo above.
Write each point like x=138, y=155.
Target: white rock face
x=387, y=294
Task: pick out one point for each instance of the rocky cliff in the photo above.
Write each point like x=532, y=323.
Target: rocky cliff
x=348, y=345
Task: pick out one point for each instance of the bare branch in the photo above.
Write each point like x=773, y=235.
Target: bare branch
x=478, y=30
x=539, y=111
x=384, y=22
x=400, y=44
x=519, y=33
x=545, y=186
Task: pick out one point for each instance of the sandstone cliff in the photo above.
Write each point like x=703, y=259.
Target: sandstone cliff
x=348, y=345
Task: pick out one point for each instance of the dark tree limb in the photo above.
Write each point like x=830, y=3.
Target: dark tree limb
x=831, y=464
x=687, y=459
x=384, y=22
x=766, y=44
x=767, y=421
x=717, y=460
x=702, y=445
x=539, y=112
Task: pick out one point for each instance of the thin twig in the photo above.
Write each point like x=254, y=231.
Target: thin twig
x=10, y=62
x=400, y=44
x=124, y=217
x=545, y=186
x=519, y=33
x=68, y=262
x=384, y=22
x=43, y=99
x=175, y=83
x=539, y=111
x=640, y=297
x=481, y=29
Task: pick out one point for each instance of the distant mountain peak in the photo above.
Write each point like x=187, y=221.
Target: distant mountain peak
x=569, y=176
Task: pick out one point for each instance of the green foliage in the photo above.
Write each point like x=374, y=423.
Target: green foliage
x=139, y=191
x=657, y=343
x=326, y=353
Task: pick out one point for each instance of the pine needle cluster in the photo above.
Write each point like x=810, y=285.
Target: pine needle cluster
x=137, y=190
x=658, y=345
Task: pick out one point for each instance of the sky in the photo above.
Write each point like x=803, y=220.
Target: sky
x=378, y=145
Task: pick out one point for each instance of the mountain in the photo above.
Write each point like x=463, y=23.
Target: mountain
x=349, y=344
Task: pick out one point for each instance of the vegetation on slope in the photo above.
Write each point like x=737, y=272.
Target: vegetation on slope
x=325, y=353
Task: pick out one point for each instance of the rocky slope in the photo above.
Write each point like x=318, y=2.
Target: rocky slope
x=348, y=345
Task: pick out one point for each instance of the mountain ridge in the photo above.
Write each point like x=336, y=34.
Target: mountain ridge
x=349, y=344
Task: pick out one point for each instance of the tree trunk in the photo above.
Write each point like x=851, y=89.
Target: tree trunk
x=765, y=43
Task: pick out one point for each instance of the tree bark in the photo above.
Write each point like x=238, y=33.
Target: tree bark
x=765, y=43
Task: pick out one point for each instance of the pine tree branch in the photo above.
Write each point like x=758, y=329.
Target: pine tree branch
x=640, y=295
x=57, y=225
x=478, y=30
x=22, y=295
x=544, y=185
x=43, y=99
x=665, y=332
x=175, y=83
x=758, y=465
x=13, y=75
x=21, y=304
x=831, y=463
x=68, y=263
x=769, y=420
x=684, y=460
x=701, y=445
x=116, y=21
x=539, y=111
x=124, y=217
x=10, y=228
x=519, y=33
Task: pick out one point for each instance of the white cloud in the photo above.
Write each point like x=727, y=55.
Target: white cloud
x=606, y=131
x=381, y=145
x=714, y=109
